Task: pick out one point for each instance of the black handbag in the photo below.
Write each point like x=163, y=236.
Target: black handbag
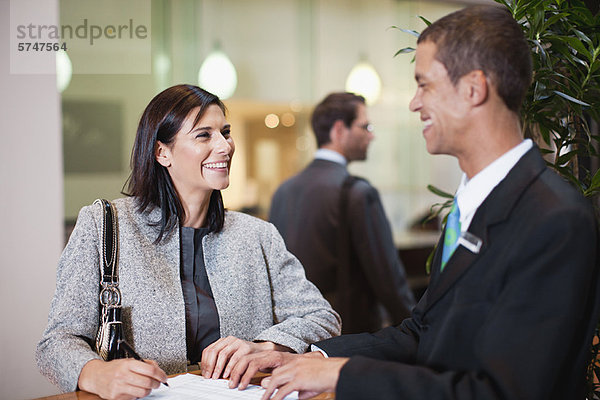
x=110, y=330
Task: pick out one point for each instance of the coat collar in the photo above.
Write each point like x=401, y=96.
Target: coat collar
x=320, y=163
x=494, y=209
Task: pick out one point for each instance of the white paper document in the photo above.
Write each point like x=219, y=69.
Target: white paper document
x=195, y=387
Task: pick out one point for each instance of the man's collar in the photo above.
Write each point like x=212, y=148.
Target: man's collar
x=472, y=192
x=330, y=155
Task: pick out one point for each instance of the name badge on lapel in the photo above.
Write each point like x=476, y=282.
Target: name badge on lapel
x=470, y=241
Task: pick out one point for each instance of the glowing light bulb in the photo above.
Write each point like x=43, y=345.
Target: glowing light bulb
x=364, y=80
x=217, y=75
x=64, y=70
x=272, y=121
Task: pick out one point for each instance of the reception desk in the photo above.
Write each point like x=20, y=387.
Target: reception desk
x=82, y=395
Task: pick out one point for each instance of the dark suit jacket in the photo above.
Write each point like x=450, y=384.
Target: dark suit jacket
x=306, y=211
x=512, y=322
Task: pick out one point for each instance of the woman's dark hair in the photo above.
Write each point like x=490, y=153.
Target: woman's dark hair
x=150, y=182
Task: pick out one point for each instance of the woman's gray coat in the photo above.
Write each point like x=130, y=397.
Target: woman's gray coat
x=259, y=288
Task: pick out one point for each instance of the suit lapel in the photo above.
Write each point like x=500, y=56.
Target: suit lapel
x=460, y=261
x=494, y=209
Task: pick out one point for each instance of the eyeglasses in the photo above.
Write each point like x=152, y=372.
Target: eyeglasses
x=366, y=127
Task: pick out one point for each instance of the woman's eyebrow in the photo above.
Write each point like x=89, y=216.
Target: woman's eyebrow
x=207, y=128
x=199, y=128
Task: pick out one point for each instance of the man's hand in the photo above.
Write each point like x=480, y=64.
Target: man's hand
x=309, y=375
x=249, y=365
x=224, y=354
x=122, y=379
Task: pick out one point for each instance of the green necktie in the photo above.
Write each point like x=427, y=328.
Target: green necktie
x=452, y=234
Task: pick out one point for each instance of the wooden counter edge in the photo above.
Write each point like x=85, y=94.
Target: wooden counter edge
x=82, y=395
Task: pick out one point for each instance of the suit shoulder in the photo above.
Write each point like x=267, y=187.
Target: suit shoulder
x=316, y=177
x=362, y=189
x=289, y=185
x=555, y=191
x=286, y=185
x=549, y=199
x=362, y=185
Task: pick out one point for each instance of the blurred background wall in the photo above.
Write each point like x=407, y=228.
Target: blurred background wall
x=67, y=149
x=288, y=55
x=31, y=212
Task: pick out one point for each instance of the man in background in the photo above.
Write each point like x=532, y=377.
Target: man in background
x=513, y=301
x=336, y=226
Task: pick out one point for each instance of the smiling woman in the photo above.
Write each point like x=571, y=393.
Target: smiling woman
x=198, y=160
x=199, y=283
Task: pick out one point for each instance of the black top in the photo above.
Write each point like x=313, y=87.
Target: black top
x=201, y=317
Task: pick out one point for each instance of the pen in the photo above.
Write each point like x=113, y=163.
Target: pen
x=129, y=350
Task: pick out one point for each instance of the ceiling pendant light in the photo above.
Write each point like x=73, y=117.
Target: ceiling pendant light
x=217, y=74
x=364, y=80
x=64, y=70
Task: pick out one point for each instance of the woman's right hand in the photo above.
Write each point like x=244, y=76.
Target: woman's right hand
x=122, y=379
x=222, y=356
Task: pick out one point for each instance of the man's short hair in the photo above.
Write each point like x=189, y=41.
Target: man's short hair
x=485, y=38
x=336, y=106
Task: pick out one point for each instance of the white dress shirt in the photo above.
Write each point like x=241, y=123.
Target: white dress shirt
x=330, y=155
x=472, y=192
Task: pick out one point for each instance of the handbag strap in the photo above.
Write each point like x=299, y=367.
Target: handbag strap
x=343, y=206
x=110, y=295
x=344, y=237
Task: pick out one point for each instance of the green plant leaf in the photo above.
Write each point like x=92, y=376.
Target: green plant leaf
x=439, y=192
x=504, y=3
x=589, y=193
x=409, y=31
x=404, y=50
x=583, y=37
x=538, y=22
x=571, y=99
x=565, y=158
x=596, y=52
x=427, y=22
x=576, y=44
x=595, y=184
x=554, y=19
x=594, y=67
x=541, y=51
x=582, y=62
x=545, y=132
x=429, y=261
x=546, y=151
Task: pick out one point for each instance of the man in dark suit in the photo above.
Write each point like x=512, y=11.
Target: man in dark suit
x=513, y=297
x=335, y=224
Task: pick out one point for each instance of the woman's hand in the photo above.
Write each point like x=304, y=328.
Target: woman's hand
x=224, y=354
x=121, y=379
